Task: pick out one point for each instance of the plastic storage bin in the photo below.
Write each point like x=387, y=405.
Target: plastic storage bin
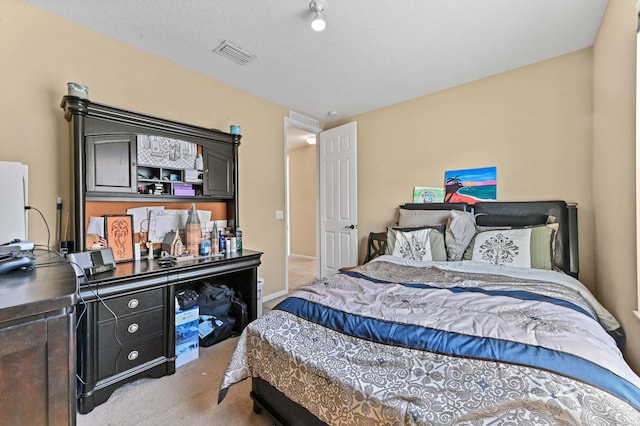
x=187, y=335
x=259, y=296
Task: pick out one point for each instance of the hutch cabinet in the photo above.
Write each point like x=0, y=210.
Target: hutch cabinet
x=127, y=329
x=218, y=168
x=105, y=143
x=111, y=163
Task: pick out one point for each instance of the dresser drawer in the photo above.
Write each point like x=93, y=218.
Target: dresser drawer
x=115, y=359
x=130, y=328
x=130, y=304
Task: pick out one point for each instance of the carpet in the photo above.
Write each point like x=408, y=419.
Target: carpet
x=188, y=397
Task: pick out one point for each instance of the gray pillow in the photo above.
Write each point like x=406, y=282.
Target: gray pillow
x=461, y=228
x=413, y=218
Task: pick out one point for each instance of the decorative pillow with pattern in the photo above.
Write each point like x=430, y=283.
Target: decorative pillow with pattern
x=416, y=244
x=524, y=248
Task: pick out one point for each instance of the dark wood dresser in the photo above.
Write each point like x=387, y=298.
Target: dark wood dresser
x=126, y=318
x=37, y=344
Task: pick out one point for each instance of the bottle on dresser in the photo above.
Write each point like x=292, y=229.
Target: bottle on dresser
x=222, y=241
x=239, y=238
x=215, y=245
x=205, y=244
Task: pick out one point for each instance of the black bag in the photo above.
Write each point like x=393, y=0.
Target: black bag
x=239, y=313
x=214, y=299
x=187, y=299
x=212, y=329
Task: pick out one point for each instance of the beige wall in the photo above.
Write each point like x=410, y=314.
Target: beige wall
x=533, y=124
x=40, y=53
x=302, y=201
x=614, y=168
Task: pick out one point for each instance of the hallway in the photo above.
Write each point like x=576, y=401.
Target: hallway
x=302, y=271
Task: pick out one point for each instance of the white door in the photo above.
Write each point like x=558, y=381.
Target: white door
x=338, y=199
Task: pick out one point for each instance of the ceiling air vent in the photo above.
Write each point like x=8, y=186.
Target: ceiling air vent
x=233, y=53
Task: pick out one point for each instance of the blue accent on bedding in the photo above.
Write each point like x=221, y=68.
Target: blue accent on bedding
x=518, y=294
x=450, y=343
x=524, y=295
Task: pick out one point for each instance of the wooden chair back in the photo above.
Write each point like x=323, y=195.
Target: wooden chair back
x=376, y=245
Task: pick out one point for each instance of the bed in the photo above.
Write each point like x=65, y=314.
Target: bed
x=496, y=330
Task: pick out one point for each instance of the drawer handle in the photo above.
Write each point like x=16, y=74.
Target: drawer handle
x=133, y=303
x=132, y=328
x=132, y=355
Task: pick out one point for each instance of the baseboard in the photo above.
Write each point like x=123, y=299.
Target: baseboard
x=303, y=256
x=273, y=296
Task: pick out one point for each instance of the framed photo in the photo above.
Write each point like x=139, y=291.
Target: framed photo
x=427, y=194
x=118, y=231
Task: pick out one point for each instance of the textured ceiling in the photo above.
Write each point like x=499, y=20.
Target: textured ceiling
x=372, y=53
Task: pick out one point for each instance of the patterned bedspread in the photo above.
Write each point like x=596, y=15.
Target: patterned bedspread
x=392, y=344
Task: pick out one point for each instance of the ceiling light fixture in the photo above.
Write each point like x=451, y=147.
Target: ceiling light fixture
x=317, y=7
x=311, y=140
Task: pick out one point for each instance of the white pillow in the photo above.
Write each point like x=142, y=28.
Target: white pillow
x=414, y=245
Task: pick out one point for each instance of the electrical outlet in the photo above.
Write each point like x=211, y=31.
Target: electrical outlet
x=279, y=215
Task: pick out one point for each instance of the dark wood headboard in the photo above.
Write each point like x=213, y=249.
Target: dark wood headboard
x=437, y=206
x=566, y=214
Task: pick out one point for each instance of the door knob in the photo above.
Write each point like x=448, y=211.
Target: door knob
x=352, y=226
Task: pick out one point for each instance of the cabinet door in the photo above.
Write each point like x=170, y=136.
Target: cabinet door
x=111, y=163
x=218, y=171
x=36, y=377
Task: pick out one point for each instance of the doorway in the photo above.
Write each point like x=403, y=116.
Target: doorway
x=301, y=204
